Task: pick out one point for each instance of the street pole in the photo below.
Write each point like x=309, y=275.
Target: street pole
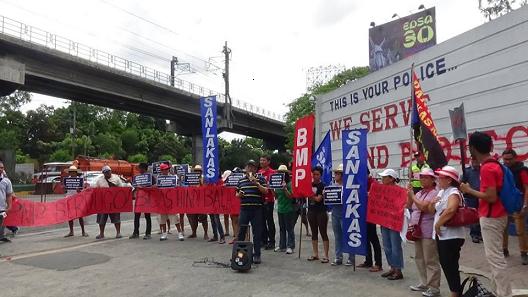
x=227, y=104
x=74, y=132
x=174, y=62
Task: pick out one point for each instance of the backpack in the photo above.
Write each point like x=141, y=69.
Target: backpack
x=510, y=196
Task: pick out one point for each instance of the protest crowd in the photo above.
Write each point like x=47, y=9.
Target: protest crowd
x=434, y=199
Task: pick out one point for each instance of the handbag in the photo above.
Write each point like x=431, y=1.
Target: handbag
x=414, y=232
x=464, y=216
x=475, y=288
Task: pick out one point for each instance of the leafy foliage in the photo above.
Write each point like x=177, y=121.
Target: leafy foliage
x=495, y=8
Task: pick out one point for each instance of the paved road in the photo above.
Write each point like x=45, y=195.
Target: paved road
x=46, y=264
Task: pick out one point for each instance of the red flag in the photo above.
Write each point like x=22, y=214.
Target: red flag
x=302, y=155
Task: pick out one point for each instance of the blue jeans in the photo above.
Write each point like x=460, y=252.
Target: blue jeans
x=253, y=215
x=337, y=227
x=217, y=226
x=392, y=244
x=286, y=233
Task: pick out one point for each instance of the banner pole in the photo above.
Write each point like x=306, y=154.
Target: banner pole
x=300, y=234
x=462, y=143
x=411, y=130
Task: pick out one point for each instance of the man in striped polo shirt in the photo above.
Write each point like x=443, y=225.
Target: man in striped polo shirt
x=251, y=190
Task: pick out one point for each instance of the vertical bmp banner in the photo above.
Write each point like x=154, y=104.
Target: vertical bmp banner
x=355, y=160
x=323, y=157
x=211, y=166
x=302, y=157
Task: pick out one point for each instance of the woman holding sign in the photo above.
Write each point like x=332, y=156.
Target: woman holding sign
x=421, y=229
x=392, y=242
x=286, y=212
x=449, y=240
x=74, y=172
x=318, y=217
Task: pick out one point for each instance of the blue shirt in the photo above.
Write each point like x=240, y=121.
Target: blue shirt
x=252, y=195
x=472, y=177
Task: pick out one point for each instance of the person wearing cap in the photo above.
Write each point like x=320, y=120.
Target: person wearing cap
x=165, y=219
x=425, y=249
x=493, y=215
x=449, y=240
x=195, y=219
x=142, y=167
x=392, y=242
x=74, y=172
x=318, y=217
x=108, y=180
x=286, y=213
x=337, y=223
x=416, y=169
x=268, y=225
x=251, y=190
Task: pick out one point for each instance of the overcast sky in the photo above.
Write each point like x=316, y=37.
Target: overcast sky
x=274, y=42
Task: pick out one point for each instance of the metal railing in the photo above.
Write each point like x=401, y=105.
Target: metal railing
x=38, y=36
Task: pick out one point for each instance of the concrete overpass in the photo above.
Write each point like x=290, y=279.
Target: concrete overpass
x=41, y=65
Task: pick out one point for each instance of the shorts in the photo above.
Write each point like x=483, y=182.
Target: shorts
x=173, y=218
x=115, y=218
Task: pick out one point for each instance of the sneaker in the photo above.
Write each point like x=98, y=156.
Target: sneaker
x=337, y=262
x=181, y=237
x=257, y=260
x=5, y=239
x=349, y=262
x=133, y=236
x=163, y=237
x=397, y=275
x=431, y=292
x=418, y=288
x=289, y=251
x=524, y=258
x=147, y=237
x=279, y=250
x=221, y=241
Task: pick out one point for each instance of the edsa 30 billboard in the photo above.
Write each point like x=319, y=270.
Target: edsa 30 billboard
x=401, y=38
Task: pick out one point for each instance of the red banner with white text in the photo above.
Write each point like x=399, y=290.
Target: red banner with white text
x=386, y=205
x=302, y=157
x=27, y=213
x=192, y=200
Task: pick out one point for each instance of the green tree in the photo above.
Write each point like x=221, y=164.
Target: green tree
x=305, y=104
x=167, y=157
x=495, y=8
x=60, y=155
x=137, y=158
x=129, y=140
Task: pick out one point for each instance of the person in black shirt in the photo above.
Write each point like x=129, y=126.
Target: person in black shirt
x=251, y=190
x=317, y=216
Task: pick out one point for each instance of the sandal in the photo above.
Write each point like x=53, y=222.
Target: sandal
x=376, y=269
x=68, y=235
x=99, y=236
x=312, y=258
x=325, y=260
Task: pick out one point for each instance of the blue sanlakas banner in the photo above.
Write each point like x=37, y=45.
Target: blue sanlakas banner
x=323, y=157
x=211, y=166
x=355, y=160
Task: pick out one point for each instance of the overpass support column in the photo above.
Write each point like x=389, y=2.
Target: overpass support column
x=197, y=147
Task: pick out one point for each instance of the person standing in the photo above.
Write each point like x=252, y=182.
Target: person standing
x=337, y=223
x=392, y=242
x=251, y=190
x=142, y=168
x=234, y=217
x=268, y=227
x=165, y=219
x=416, y=169
x=373, y=241
x=472, y=176
x=520, y=173
x=425, y=248
x=195, y=219
x=493, y=216
x=286, y=213
x=74, y=172
x=216, y=224
x=318, y=217
x=6, y=193
x=108, y=180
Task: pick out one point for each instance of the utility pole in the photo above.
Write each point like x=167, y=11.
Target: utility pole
x=228, y=111
x=174, y=62
x=74, y=131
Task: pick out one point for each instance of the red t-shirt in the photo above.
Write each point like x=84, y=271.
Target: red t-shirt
x=524, y=178
x=491, y=175
x=266, y=173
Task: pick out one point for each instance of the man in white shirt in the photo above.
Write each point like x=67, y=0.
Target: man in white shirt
x=6, y=191
x=108, y=180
